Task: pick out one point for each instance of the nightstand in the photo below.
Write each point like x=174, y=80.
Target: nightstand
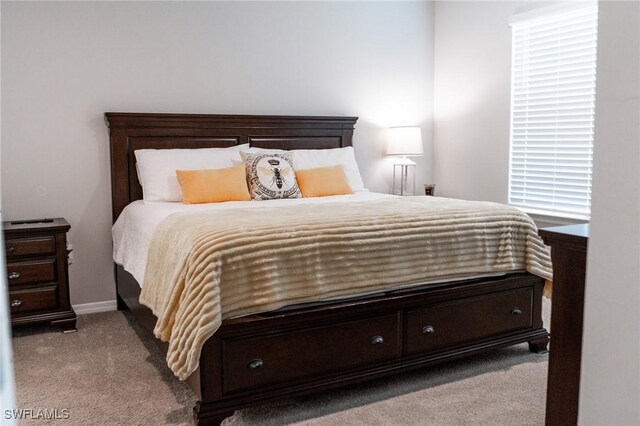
x=37, y=275
x=569, y=257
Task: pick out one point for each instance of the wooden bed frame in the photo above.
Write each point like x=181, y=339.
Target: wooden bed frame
x=261, y=358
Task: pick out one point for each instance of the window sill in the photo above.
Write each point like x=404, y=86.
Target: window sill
x=545, y=218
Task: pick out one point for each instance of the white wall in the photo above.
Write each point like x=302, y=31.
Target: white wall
x=472, y=98
x=65, y=64
x=610, y=386
x=7, y=397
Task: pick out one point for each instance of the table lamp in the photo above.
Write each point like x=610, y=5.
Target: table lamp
x=404, y=142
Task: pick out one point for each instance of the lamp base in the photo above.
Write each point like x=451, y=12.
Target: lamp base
x=404, y=177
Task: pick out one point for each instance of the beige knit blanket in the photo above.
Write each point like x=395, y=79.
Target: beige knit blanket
x=206, y=267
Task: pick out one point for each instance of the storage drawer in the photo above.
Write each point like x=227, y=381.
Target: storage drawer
x=33, y=300
x=32, y=272
x=30, y=246
x=465, y=320
x=296, y=355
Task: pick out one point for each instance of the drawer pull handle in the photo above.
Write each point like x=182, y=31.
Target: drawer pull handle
x=256, y=363
x=516, y=311
x=15, y=303
x=14, y=275
x=428, y=329
x=377, y=340
x=11, y=249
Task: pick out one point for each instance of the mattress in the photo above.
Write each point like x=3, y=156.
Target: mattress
x=136, y=226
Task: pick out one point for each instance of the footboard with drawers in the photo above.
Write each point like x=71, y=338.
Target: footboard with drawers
x=261, y=358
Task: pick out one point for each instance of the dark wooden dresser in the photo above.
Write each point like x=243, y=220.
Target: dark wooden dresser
x=36, y=253
x=569, y=256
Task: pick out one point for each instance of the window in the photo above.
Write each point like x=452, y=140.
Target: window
x=552, y=110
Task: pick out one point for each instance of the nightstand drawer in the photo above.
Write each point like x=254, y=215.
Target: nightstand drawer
x=465, y=320
x=33, y=300
x=30, y=246
x=32, y=272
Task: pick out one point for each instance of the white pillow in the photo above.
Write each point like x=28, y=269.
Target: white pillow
x=314, y=158
x=157, y=168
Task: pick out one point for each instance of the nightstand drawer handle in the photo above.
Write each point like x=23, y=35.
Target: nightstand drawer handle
x=14, y=275
x=15, y=303
x=11, y=249
x=377, y=340
x=256, y=363
x=428, y=329
x=516, y=311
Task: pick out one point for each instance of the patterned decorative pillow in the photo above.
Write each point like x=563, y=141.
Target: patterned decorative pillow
x=271, y=175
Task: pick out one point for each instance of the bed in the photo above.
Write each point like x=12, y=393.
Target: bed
x=310, y=347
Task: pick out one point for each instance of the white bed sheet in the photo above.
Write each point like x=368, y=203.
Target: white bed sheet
x=134, y=229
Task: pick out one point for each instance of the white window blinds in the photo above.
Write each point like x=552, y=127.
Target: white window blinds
x=552, y=111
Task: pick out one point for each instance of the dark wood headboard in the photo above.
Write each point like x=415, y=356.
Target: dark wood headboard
x=131, y=131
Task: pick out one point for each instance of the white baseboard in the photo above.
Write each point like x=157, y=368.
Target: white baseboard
x=92, y=308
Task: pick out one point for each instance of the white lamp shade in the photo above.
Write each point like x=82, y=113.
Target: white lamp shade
x=405, y=141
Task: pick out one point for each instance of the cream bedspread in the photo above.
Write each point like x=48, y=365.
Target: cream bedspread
x=206, y=267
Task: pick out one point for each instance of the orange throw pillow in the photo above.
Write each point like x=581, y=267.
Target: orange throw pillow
x=323, y=181
x=214, y=186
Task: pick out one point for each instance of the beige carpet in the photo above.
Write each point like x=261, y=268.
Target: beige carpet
x=106, y=374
